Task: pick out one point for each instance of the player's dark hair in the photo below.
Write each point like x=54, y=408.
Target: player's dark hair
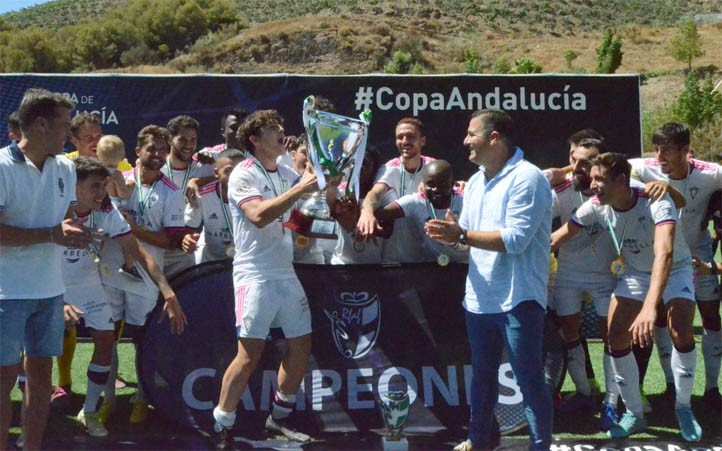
x=87, y=166
x=178, y=123
x=41, y=103
x=587, y=133
x=615, y=163
x=672, y=133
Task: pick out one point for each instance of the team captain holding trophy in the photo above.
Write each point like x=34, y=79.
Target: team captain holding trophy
x=267, y=290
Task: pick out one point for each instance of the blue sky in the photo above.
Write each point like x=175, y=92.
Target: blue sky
x=16, y=5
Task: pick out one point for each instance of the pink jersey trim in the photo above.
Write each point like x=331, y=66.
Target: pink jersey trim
x=167, y=182
x=564, y=186
x=396, y=162
x=240, y=303
x=651, y=162
x=248, y=199
x=209, y=188
x=702, y=166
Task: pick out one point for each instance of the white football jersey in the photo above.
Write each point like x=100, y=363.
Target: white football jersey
x=214, y=216
x=261, y=253
x=590, y=252
x=702, y=180
x=79, y=265
x=418, y=211
x=403, y=244
x=156, y=207
x=634, y=228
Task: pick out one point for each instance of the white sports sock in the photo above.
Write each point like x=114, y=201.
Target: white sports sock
x=225, y=419
x=577, y=369
x=282, y=405
x=94, y=389
x=683, y=365
x=664, y=350
x=626, y=374
x=610, y=384
x=109, y=391
x=711, y=352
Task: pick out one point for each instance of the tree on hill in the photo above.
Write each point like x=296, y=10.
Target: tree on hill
x=609, y=54
x=697, y=106
x=687, y=44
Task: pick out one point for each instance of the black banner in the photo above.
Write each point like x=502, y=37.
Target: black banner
x=547, y=108
x=375, y=328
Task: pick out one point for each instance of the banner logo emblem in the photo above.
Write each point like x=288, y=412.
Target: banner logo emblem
x=355, y=323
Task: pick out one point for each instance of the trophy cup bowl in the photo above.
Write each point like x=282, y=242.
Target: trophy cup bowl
x=335, y=144
x=395, y=408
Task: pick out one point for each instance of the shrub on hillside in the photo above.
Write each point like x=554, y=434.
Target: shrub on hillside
x=609, y=54
x=525, y=66
x=698, y=105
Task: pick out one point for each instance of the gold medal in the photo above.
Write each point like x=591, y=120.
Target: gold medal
x=301, y=241
x=617, y=267
x=443, y=260
x=231, y=250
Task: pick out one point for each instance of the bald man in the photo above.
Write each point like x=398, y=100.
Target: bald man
x=438, y=197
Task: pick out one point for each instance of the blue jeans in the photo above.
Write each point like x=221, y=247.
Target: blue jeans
x=33, y=326
x=521, y=331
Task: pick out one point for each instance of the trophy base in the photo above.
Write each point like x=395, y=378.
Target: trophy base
x=394, y=445
x=311, y=227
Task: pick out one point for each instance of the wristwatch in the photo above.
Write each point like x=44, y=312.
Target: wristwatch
x=462, y=237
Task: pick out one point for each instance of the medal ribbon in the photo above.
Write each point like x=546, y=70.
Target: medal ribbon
x=617, y=244
x=143, y=202
x=403, y=176
x=224, y=209
x=684, y=187
x=268, y=178
x=91, y=224
x=93, y=247
x=432, y=211
x=186, y=176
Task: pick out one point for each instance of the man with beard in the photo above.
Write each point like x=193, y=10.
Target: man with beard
x=438, y=197
x=594, y=252
x=401, y=176
x=180, y=168
x=155, y=213
x=653, y=266
x=696, y=180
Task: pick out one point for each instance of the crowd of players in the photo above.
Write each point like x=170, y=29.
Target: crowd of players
x=124, y=230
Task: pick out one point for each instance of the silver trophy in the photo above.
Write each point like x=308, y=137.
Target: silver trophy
x=335, y=144
x=395, y=409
